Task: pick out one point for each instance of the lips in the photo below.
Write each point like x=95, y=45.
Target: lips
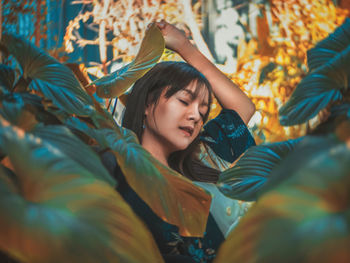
x=187, y=129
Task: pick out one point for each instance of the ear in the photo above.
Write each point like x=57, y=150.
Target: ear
x=148, y=109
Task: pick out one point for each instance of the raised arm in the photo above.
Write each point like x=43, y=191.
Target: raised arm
x=229, y=95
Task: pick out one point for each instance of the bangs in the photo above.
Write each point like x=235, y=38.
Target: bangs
x=169, y=77
x=202, y=91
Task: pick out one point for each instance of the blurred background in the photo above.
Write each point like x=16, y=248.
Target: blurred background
x=259, y=44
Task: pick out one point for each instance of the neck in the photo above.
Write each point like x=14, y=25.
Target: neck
x=156, y=148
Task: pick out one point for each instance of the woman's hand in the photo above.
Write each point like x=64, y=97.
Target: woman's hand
x=229, y=95
x=174, y=38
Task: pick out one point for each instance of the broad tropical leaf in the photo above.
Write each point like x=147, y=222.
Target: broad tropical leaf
x=330, y=46
x=318, y=57
x=341, y=109
x=304, y=219
x=14, y=108
x=24, y=110
x=171, y=196
x=338, y=113
x=54, y=210
x=116, y=83
x=7, y=77
x=302, y=154
x=250, y=173
x=312, y=94
x=54, y=80
x=326, y=84
x=62, y=138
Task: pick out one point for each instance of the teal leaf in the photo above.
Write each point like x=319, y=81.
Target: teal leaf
x=25, y=110
x=48, y=76
x=265, y=71
x=116, y=83
x=171, y=196
x=330, y=46
x=325, y=85
x=312, y=94
x=55, y=210
x=305, y=218
x=11, y=107
x=341, y=110
x=252, y=171
x=318, y=57
x=64, y=140
x=302, y=154
x=7, y=77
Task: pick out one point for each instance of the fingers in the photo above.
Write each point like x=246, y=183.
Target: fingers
x=161, y=24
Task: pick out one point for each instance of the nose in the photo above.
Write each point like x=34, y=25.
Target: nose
x=193, y=113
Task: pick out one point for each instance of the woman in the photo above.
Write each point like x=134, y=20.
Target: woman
x=167, y=109
x=180, y=92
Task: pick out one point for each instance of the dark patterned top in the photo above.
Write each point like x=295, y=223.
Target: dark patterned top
x=228, y=136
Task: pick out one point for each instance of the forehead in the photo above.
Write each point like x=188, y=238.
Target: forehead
x=196, y=91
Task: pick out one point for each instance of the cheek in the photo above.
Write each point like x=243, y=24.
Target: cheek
x=164, y=116
x=198, y=130
x=168, y=111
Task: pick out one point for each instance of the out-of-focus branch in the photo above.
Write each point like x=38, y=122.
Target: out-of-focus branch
x=189, y=19
x=102, y=37
x=37, y=23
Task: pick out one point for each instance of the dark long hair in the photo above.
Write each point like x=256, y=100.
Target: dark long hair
x=146, y=91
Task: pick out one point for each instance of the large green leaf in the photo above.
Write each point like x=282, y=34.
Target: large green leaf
x=116, y=83
x=341, y=110
x=24, y=110
x=7, y=77
x=56, y=81
x=313, y=94
x=11, y=106
x=62, y=138
x=250, y=173
x=302, y=154
x=326, y=84
x=171, y=196
x=330, y=46
x=318, y=57
x=304, y=219
x=54, y=210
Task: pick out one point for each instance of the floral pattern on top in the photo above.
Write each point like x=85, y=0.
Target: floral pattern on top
x=227, y=135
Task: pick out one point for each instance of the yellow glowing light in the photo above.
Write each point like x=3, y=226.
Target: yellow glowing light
x=297, y=25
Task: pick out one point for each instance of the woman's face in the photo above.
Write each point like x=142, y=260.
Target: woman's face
x=173, y=123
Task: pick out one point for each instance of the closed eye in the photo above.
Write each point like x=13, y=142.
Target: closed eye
x=184, y=102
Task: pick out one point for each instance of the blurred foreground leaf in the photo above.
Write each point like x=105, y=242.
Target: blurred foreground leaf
x=305, y=218
x=253, y=169
x=54, y=210
x=174, y=198
x=48, y=76
x=116, y=83
x=7, y=77
x=327, y=82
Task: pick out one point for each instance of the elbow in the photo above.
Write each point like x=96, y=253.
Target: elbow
x=251, y=110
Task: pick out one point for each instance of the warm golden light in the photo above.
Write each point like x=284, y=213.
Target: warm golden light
x=269, y=67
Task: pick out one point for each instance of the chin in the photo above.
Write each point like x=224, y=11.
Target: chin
x=181, y=147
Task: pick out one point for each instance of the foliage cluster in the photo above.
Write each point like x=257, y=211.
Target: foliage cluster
x=59, y=200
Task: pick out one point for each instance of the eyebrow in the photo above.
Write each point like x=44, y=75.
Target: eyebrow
x=193, y=96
